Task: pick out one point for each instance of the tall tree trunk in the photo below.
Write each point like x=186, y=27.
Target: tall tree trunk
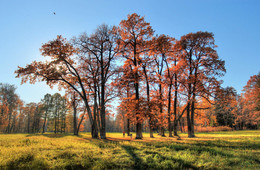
x=58, y=122
x=128, y=127
x=64, y=125
x=151, y=128
x=148, y=102
x=175, y=122
x=128, y=120
x=169, y=110
x=28, y=124
x=189, y=121
x=175, y=101
x=103, y=109
x=161, y=110
x=192, y=117
x=93, y=122
x=55, y=125
x=94, y=130
x=160, y=69
x=138, y=124
x=44, y=124
x=103, y=113
x=9, y=122
x=74, y=118
x=12, y=129
x=175, y=113
x=193, y=103
x=95, y=126
x=188, y=112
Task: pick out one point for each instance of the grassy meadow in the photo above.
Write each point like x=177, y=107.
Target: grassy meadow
x=215, y=150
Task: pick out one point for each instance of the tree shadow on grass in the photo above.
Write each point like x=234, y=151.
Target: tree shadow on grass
x=155, y=160
x=26, y=161
x=130, y=150
x=221, y=149
x=49, y=135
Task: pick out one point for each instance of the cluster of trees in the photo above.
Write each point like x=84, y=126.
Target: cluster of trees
x=54, y=113
x=18, y=117
x=239, y=111
x=158, y=79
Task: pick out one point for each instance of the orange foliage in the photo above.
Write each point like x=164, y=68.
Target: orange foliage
x=251, y=100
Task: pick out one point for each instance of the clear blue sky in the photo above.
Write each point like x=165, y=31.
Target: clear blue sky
x=26, y=25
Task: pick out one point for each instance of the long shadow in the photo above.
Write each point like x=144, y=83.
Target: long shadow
x=140, y=164
x=52, y=135
x=231, y=145
x=130, y=150
x=207, y=147
x=199, y=148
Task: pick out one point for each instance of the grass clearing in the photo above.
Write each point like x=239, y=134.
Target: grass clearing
x=215, y=150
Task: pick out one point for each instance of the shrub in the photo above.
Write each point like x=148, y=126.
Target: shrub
x=212, y=129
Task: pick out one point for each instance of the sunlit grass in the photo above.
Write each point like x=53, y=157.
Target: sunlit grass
x=215, y=150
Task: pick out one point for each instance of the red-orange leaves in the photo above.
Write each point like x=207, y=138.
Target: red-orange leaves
x=60, y=67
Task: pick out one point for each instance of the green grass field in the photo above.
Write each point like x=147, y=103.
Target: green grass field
x=218, y=150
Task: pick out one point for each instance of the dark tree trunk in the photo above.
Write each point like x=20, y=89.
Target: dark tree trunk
x=192, y=117
x=169, y=110
x=162, y=132
x=189, y=110
x=81, y=120
x=175, y=102
x=150, y=128
x=128, y=127
x=75, y=118
x=138, y=124
x=28, y=124
x=103, y=114
x=103, y=109
x=193, y=104
x=94, y=131
x=148, y=102
x=128, y=120
x=161, y=109
x=189, y=121
x=44, y=124
x=93, y=122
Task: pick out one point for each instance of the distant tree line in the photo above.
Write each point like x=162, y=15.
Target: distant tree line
x=162, y=83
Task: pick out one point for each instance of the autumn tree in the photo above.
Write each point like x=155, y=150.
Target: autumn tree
x=20, y=119
x=134, y=33
x=203, y=65
x=149, y=79
x=62, y=69
x=30, y=110
x=225, y=107
x=47, y=105
x=251, y=97
x=36, y=118
x=99, y=51
x=58, y=112
x=9, y=101
x=206, y=115
x=162, y=52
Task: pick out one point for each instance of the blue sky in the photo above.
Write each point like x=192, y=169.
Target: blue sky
x=26, y=25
